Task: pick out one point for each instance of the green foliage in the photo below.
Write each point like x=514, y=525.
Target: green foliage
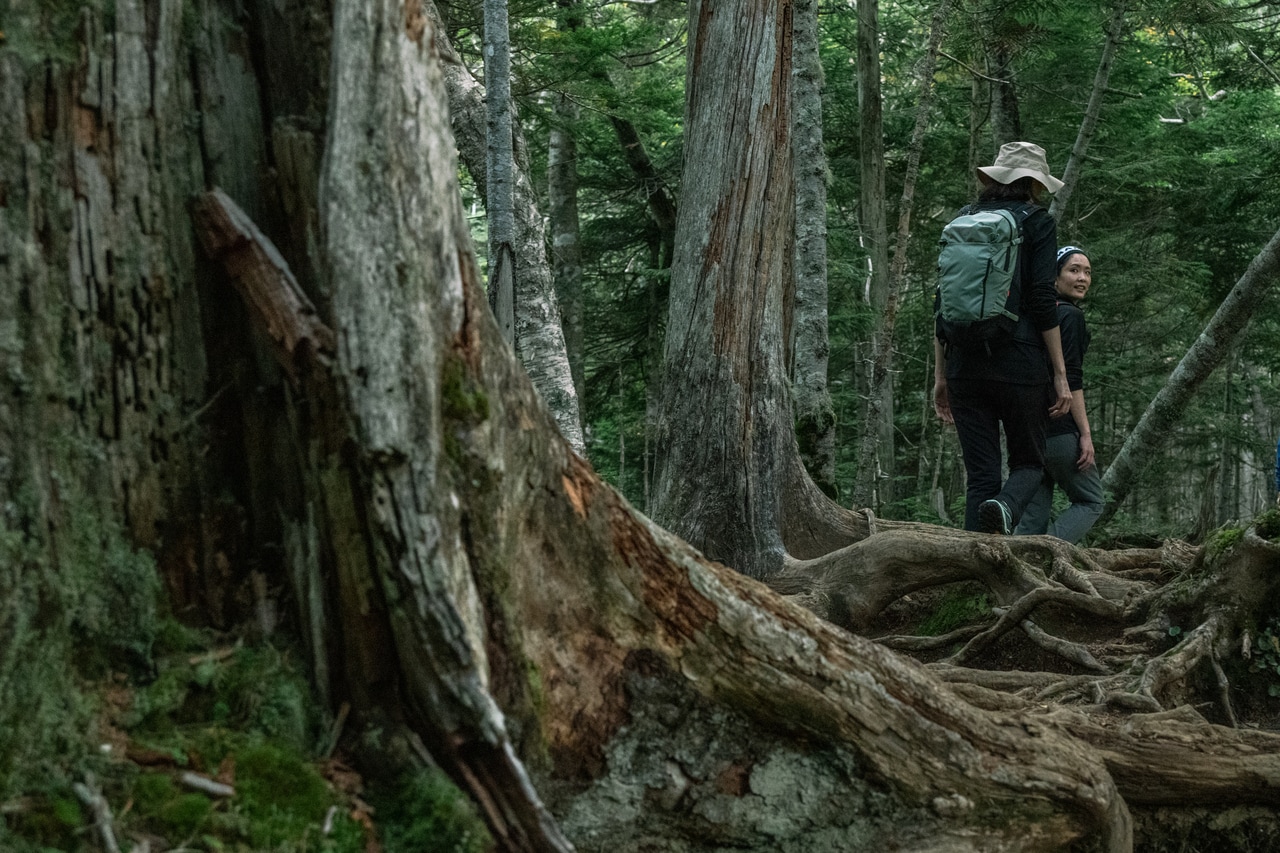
x=426, y=813
x=1265, y=658
x=52, y=820
x=1267, y=525
x=52, y=33
x=954, y=610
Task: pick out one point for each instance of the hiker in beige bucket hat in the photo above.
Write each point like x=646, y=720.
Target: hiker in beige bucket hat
x=1020, y=160
x=1002, y=374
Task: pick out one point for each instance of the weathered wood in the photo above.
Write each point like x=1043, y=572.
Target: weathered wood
x=263, y=280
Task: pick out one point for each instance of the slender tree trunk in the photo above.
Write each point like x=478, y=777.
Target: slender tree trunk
x=540, y=340
x=1006, y=115
x=499, y=167
x=662, y=210
x=880, y=382
x=1071, y=174
x=566, y=239
x=1214, y=344
x=979, y=117
x=810, y=345
x=874, y=478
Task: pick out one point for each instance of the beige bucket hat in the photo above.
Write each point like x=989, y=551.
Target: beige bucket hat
x=1020, y=160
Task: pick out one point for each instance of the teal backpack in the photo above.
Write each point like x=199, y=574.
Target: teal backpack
x=978, y=289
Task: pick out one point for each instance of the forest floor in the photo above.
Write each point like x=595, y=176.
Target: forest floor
x=218, y=745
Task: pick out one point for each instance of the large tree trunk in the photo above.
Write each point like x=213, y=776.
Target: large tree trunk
x=105, y=372
x=726, y=413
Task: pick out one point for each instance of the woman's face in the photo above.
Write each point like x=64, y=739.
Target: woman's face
x=1074, y=279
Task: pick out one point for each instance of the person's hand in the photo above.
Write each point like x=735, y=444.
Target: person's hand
x=1062, y=404
x=941, y=402
x=1086, y=460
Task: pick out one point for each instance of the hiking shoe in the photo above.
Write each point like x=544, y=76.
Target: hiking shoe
x=993, y=517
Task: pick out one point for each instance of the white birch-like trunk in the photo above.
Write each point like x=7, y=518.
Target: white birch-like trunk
x=539, y=336
x=566, y=237
x=499, y=167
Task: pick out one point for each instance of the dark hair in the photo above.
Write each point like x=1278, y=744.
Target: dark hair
x=1023, y=189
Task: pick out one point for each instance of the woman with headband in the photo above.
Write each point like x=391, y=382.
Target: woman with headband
x=1069, y=459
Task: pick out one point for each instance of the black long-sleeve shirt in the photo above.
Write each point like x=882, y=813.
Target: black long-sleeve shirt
x=1022, y=360
x=1075, y=343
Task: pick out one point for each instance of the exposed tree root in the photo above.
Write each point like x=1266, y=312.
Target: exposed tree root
x=1139, y=632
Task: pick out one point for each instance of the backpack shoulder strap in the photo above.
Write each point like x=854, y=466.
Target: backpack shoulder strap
x=1022, y=211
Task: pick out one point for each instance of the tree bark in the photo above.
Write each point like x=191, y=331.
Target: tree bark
x=1209, y=350
x=724, y=335
x=406, y=304
x=810, y=345
x=1006, y=115
x=1071, y=174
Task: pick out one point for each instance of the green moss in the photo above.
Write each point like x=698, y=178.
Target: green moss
x=1221, y=542
x=255, y=690
x=1268, y=525
x=953, y=611
x=461, y=397
x=53, y=35
x=168, y=810
x=426, y=813
x=53, y=821
x=283, y=797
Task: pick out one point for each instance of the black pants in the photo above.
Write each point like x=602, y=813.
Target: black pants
x=980, y=407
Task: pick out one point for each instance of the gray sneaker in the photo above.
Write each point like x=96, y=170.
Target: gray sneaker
x=994, y=517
